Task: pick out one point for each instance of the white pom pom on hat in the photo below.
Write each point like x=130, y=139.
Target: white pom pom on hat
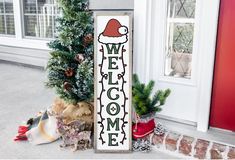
x=123, y=30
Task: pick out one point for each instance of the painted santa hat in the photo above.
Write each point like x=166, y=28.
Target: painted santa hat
x=114, y=32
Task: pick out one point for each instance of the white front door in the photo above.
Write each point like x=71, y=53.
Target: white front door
x=174, y=45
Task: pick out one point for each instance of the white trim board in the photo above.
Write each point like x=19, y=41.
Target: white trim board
x=113, y=4
x=25, y=43
x=207, y=46
x=37, y=53
x=23, y=59
x=141, y=24
x=34, y=57
x=176, y=120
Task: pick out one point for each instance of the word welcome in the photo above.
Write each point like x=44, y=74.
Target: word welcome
x=113, y=108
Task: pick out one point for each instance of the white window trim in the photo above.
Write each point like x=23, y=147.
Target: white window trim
x=145, y=18
x=19, y=40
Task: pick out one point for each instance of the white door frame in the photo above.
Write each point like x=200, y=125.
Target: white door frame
x=146, y=14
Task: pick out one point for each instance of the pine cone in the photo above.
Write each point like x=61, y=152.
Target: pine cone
x=142, y=145
x=67, y=86
x=69, y=72
x=135, y=145
x=160, y=129
x=145, y=146
x=88, y=39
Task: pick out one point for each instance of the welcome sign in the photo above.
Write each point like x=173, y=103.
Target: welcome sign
x=113, y=57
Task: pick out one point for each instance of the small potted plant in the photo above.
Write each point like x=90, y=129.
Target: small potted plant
x=146, y=106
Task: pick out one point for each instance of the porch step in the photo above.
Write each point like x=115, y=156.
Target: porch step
x=186, y=141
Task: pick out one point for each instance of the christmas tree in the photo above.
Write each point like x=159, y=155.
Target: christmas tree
x=70, y=68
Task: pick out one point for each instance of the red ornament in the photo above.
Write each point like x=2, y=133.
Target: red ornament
x=69, y=72
x=79, y=57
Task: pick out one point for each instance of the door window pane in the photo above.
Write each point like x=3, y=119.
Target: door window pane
x=39, y=18
x=179, y=45
x=182, y=8
x=182, y=37
x=7, y=25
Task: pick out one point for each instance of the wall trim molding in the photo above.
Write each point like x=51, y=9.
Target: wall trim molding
x=207, y=48
x=28, y=56
x=23, y=59
x=177, y=120
x=22, y=64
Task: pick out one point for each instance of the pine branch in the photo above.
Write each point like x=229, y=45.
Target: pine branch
x=142, y=97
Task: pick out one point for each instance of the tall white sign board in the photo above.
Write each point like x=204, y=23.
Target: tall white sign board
x=113, y=72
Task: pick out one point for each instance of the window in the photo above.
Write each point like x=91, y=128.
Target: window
x=179, y=45
x=7, y=25
x=39, y=18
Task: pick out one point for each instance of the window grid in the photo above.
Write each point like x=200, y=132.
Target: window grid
x=5, y=14
x=41, y=18
x=179, y=41
x=181, y=20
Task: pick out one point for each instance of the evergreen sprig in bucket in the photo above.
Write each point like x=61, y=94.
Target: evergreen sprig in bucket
x=146, y=106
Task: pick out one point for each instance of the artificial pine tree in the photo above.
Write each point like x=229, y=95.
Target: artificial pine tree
x=142, y=100
x=70, y=68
